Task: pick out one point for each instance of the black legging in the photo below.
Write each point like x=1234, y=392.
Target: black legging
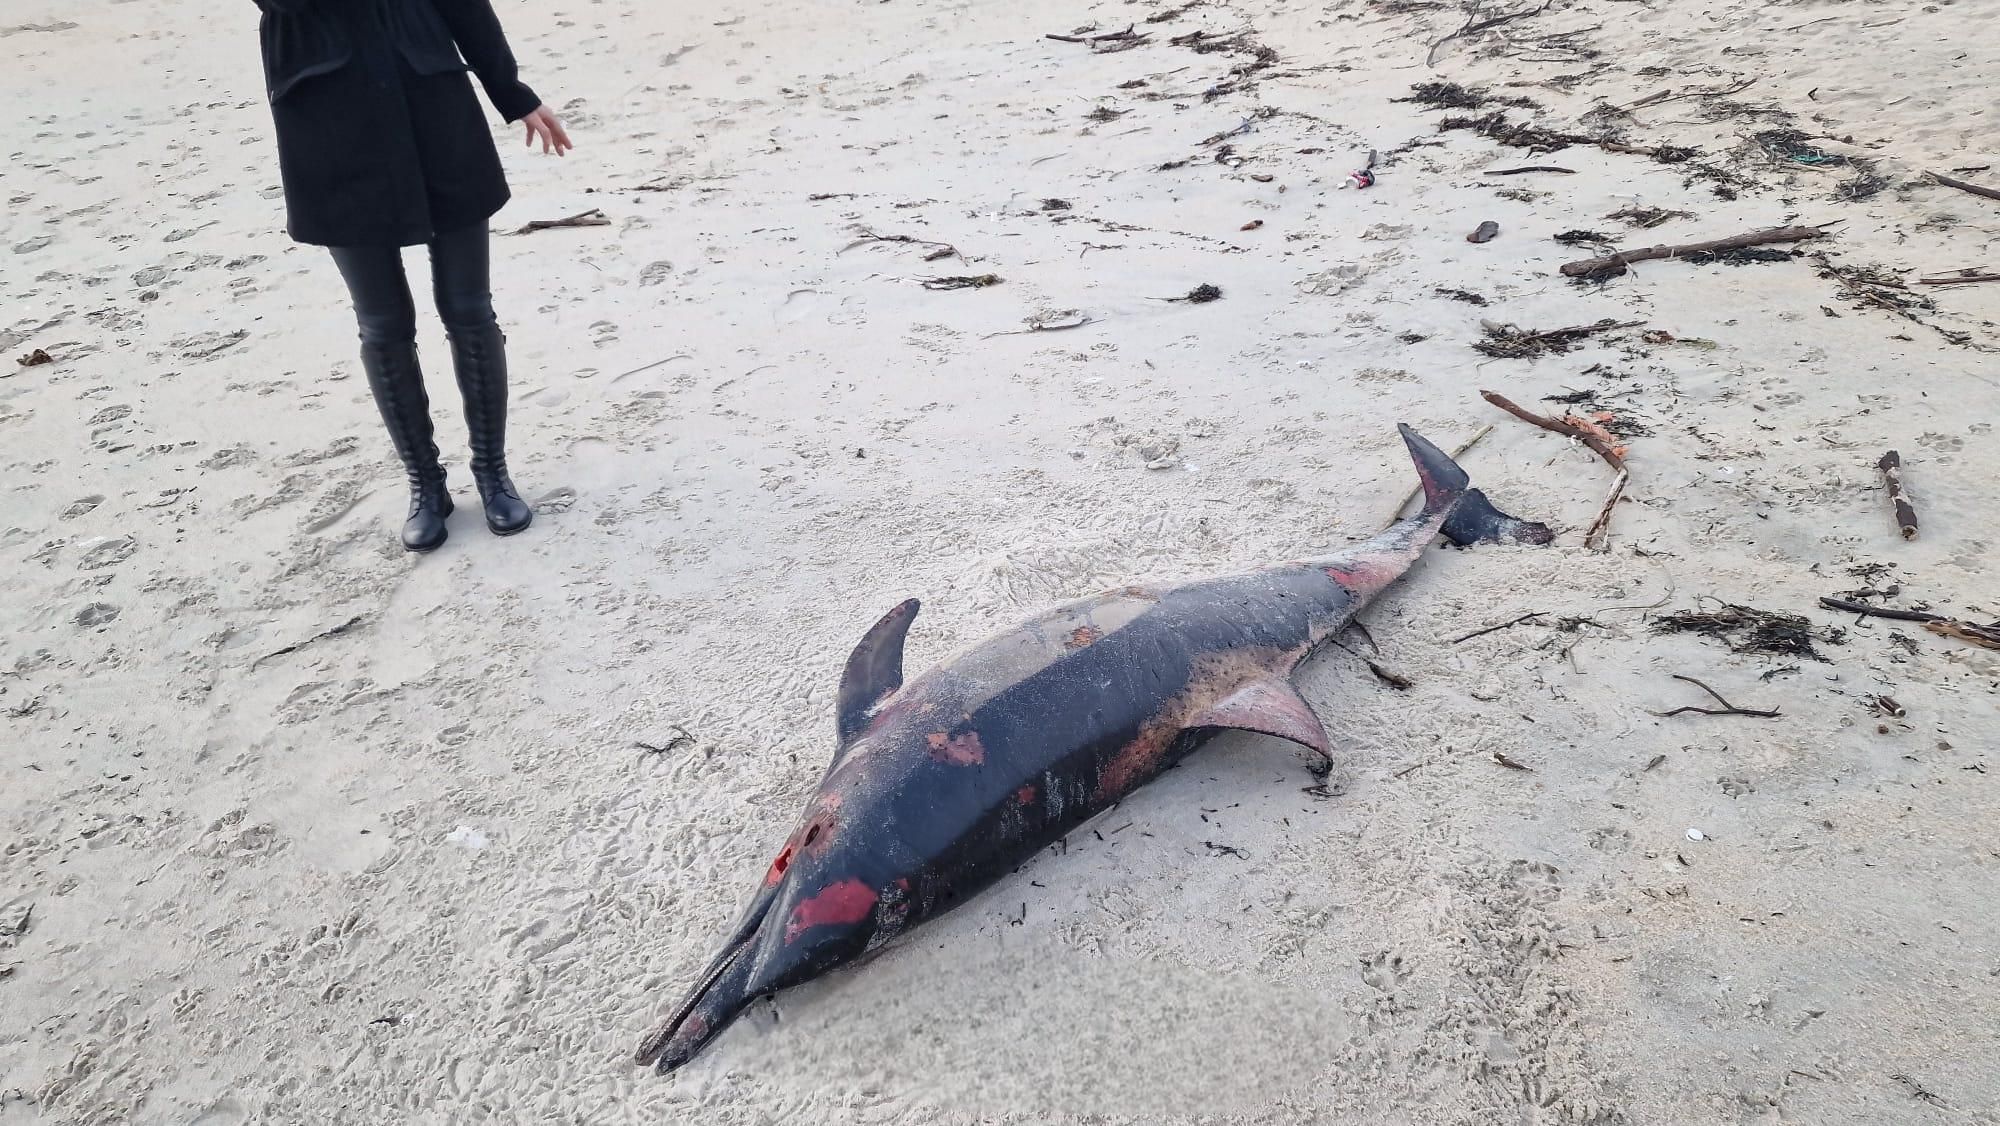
x=381, y=293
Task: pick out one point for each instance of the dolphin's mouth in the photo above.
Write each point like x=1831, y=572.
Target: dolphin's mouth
x=716, y=1000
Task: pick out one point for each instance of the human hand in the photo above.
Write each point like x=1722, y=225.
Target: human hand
x=545, y=126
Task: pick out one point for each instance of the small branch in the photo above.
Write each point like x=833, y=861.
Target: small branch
x=1611, y=455
x=1603, y=522
x=1867, y=611
x=1498, y=628
x=1727, y=708
x=1598, y=441
x=1891, y=466
x=1961, y=185
x=1527, y=168
x=1961, y=279
x=590, y=218
x=1614, y=264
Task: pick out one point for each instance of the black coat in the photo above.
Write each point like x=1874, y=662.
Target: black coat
x=381, y=141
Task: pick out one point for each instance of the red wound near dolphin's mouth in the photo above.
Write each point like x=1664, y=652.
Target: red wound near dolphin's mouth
x=846, y=902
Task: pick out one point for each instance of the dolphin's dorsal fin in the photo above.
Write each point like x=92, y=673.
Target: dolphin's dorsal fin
x=1268, y=706
x=874, y=670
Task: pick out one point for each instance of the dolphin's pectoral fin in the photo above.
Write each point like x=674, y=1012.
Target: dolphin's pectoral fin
x=1273, y=707
x=874, y=670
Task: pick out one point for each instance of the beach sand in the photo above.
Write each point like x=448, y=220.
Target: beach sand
x=299, y=828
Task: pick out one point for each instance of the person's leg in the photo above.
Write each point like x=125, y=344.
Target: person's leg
x=388, y=321
x=462, y=285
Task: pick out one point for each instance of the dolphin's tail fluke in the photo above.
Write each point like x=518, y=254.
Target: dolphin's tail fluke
x=1469, y=517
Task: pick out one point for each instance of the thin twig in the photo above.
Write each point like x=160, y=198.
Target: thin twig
x=1473, y=28
x=1663, y=97
x=1527, y=168
x=1727, y=708
x=1501, y=626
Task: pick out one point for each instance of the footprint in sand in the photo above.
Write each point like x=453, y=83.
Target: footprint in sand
x=603, y=334
x=108, y=552
x=555, y=501
x=83, y=507
x=94, y=615
x=656, y=273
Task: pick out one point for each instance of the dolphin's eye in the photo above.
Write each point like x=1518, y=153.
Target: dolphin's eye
x=812, y=834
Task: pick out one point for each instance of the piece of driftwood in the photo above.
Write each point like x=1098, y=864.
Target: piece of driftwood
x=1867, y=611
x=1961, y=185
x=1891, y=466
x=1959, y=279
x=1596, y=437
x=1985, y=636
x=590, y=218
x=1611, y=265
x=1527, y=168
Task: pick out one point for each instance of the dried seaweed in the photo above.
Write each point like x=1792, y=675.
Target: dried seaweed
x=1646, y=218
x=1518, y=134
x=1512, y=342
x=1746, y=629
x=1744, y=255
x=1790, y=146
x=1584, y=238
x=1451, y=95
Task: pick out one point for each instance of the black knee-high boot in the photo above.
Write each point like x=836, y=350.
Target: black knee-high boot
x=398, y=384
x=480, y=357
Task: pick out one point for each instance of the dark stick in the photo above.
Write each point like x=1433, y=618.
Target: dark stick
x=1498, y=628
x=590, y=218
x=1727, y=708
x=1614, y=264
x=1961, y=185
x=1868, y=611
x=1891, y=466
x=1528, y=168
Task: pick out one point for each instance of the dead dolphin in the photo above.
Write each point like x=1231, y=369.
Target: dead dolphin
x=939, y=787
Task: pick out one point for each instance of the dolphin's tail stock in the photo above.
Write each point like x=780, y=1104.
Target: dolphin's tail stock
x=1469, y=517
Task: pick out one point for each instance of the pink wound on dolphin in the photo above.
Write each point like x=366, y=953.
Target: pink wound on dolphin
x=959, y=747
x=838, y=904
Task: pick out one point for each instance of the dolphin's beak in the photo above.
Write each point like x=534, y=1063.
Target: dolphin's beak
x=717, y=999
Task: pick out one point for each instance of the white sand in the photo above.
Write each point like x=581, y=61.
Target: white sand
x=417, y=872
